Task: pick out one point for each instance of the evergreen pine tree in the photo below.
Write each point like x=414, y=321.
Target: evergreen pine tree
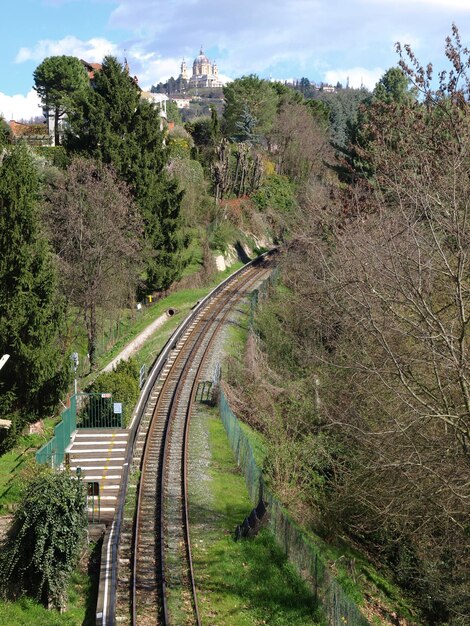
x=113, y=124
x=245, y=127
x=55, y=80
x=31, y=309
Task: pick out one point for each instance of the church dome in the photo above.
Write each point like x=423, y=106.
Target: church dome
x=201, y=58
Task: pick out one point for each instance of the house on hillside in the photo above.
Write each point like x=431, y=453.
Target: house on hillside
x=91, y=68
x=33, y=134
x=181, y=102
x=159, y=99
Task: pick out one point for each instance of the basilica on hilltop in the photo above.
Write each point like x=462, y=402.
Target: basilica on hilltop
x=205, y=73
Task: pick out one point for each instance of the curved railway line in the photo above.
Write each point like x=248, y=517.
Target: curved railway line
x=147, y=575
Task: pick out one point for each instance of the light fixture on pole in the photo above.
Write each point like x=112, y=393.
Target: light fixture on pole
x=3, y=360
x=74, y=359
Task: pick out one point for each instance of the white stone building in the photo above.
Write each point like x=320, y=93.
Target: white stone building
x=205, y=72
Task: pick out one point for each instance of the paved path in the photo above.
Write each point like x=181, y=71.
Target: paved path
x=139, y=341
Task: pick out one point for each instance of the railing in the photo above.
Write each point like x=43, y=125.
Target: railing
x=95, y=410
x=105, y=608
x=53, y=452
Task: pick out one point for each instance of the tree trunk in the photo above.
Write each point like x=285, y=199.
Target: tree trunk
x=92, y=337
x=56, y=127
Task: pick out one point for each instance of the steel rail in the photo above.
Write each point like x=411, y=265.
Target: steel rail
x=189, y=406
x=189, y=409
x=189, y=352
x=106, y=616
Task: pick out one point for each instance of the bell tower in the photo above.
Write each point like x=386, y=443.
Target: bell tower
x=184, y=70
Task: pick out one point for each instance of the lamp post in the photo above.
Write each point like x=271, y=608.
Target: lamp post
x=3, y=360
x=74, y=359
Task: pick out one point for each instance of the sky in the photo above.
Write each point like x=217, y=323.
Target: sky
x=322, y=40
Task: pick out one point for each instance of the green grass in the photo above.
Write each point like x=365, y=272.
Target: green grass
x=359, y=578
x=238, y=331
x=80, y=606
x=241, y=583
x=14, y=464
x=182, y=301
x=127, y=323
x=193, y=254
x=258, y=443
x=26, y=612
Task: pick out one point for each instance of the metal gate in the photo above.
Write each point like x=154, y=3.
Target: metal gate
x=97, y=410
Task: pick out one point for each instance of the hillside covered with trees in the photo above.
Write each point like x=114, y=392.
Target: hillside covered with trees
x=357, y=372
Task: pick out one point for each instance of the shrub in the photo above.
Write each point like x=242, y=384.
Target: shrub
x=56, y=155
x=123, y=384
x=276, y=192
x=44, y=543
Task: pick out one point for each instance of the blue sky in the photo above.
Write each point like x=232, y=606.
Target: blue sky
x=324, y=40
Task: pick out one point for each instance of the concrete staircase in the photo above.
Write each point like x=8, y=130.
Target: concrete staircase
x=100, y=454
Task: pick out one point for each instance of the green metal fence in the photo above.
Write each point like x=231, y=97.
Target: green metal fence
x=97, y=410
x=339, y=609
x=53, y=452
x=86, y=410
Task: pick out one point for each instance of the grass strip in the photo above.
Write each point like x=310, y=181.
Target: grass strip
x=182, y=301
x=243, y=583
x=80, y=606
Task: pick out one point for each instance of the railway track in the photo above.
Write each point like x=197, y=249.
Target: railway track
x=148, y=577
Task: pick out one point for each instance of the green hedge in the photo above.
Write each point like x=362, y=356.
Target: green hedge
x=123, y=383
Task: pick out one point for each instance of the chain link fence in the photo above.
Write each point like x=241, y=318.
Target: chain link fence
x=339, y=609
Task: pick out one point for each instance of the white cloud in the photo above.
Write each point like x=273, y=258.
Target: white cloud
x=456, y=5
x=20, y=107
x=276, y=32
x=92, y=50
x=150, y=68
x=278, y=38
x=407, y=39
x=299, y=37
x=358, y=76
x=225, y=79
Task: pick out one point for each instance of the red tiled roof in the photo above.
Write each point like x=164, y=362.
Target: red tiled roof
x=91, y=68
x=19, y=129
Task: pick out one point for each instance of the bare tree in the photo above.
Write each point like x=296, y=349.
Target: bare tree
x=300, y=142
x=96, y=231
x=385, y=315
x=375, y=326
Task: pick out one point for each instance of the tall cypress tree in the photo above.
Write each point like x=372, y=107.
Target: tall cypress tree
x=31, y=309
x=111, y=123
